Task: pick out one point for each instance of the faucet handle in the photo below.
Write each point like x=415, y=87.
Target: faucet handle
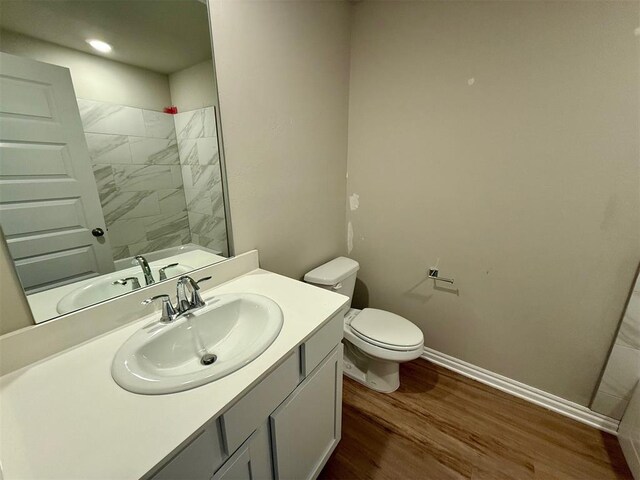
x=162, y=273
x=135, y=283
x=203, y=279
x=196, y=299
x=168, y=311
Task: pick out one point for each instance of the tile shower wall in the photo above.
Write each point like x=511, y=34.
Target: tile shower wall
x=200, y=163
x=135, y=160
x=623, y=368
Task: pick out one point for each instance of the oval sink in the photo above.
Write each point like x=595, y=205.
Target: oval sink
x=102, y=288
x=200, y=347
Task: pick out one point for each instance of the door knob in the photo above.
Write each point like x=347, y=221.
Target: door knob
x=97, y=232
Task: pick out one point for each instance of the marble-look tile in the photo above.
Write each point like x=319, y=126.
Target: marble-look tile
x=218, y=201
x=172, y=201
x=127, y=232
x=629, y=334
x=161, y=225
x=105, y=182
x=153, y=151
x=622, y=372
x=188, y=151
x=166, y=241
x=159, y=124
x=120, y=252
x=208, y=151
x=198, y=202
x=206, y=225
x=609, y=405
x=201, y=177
x=100, y=117
x=132, y=178
x=113, y=149
x=189, y=124
x=205, y=202
x=209, y=121
x=124, y=205
x=218, y=246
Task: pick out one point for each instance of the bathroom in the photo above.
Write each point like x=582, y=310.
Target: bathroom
x=461, y=177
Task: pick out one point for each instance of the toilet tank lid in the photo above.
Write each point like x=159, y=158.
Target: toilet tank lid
x=332, y=272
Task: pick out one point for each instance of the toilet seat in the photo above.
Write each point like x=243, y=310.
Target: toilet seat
x=386, y=330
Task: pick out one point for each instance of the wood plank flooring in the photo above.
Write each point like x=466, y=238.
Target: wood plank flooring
x=441, y=425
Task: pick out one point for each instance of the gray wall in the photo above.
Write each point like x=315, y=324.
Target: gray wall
x=194, y=87
x=283, y=78
x=95, y=77
x=501, y=138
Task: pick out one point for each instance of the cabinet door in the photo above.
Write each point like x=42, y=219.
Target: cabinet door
x=252, y=461
x=199, y=459
x=238, y=467
x=306, y=428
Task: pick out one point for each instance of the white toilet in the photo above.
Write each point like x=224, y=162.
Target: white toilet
x=376, y=341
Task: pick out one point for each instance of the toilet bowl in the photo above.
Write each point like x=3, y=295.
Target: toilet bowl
x=376, y=341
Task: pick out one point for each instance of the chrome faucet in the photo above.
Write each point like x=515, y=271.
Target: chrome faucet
x=146, y=270
x=186, y=302
x=135, y=283
x=189, y=302
x=169, y=314
x=162, y=272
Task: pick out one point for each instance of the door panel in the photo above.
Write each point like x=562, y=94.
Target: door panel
x=48, y=198
x=43, y=270
x=24, y=159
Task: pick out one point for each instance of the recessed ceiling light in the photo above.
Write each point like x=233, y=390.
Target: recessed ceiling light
x=99, y=45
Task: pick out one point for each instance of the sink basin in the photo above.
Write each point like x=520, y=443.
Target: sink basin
x=167, y=358
x=102, y=288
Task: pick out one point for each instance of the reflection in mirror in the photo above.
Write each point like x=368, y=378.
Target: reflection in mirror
x=110, y=172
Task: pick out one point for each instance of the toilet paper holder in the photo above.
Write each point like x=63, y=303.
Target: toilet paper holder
x=434, y=274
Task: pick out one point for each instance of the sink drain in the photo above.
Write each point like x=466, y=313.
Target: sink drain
x=208, y=359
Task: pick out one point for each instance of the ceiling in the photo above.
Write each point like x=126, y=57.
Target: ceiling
x=159, y=35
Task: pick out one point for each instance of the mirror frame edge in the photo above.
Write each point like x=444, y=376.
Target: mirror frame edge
x=221, y=151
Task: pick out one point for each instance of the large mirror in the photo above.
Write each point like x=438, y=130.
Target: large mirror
x=111, y=176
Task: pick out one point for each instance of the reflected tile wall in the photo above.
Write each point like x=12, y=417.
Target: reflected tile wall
x=623, y=366
x=200, y=163
x=138, y=173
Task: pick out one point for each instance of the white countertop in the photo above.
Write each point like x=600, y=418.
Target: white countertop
x=66, y=418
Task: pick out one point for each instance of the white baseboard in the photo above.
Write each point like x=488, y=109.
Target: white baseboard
x=551, y=402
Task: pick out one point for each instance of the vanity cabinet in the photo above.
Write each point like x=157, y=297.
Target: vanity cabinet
x=306, y=427
x=285, y=427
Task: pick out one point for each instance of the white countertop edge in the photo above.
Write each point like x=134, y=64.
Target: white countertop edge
x=103, y=431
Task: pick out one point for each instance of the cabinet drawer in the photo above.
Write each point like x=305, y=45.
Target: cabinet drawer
x=321, y=343
x=249, y=413
x=199, y=459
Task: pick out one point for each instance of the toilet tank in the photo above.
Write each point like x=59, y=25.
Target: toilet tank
x=338, y=275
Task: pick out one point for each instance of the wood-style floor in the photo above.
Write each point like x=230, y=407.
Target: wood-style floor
x=441, y=425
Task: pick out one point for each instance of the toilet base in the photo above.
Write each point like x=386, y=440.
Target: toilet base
x=379, y=375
